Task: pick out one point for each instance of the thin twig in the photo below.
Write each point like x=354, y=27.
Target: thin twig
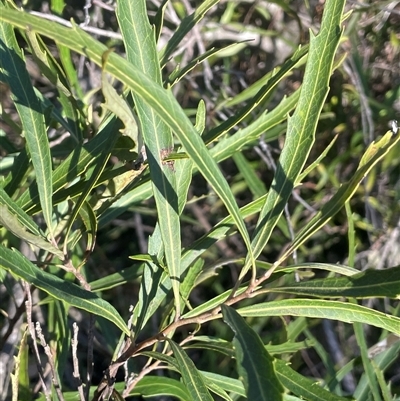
x=86, y=7
x=50, y=358
x=32, y=332
x=75, y=361
x=90, y=29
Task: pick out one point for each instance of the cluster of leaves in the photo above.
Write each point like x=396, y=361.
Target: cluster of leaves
x=71, y=169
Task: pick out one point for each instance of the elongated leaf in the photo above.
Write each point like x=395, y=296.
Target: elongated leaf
x=262, y=94
x=191, y=377
x=366, y=362
x=75, y=165
x=17, y=173
x=11, y=222
x=212, y=343
x=302, y=125
x=99, y=163
x=160, y=386
x=141, y=52
x=184, y=28
x=367, y=284
x=122, y=110
x=222, y=150
x=161, y=100
x=255, y=185
x=20, y=378
x=177, y=75
x=152, y=292
x=212, y=303
x=149, y=386
x=255, y=365
x=17, y=264
x=334, y=310
x=383, y=361
x=226, y=348
x=14, y=73
x=24, y=219
x=227, y=383
x=374, y=153
x=302, y=386
x=330, y=267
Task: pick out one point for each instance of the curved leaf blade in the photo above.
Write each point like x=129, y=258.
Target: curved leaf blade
x=30, y=111
x=17, y=264
x=191, y=377
x=302, y=386
x=367, y=284
x=334, y=310
x=302, y=125
x=374, y=153
x=255, y=364
x=161, y=100
x=141, y=51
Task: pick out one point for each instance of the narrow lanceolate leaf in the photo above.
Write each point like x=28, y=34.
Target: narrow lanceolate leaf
x=100, y=163
x=141, y=51
x=11, y=222
x=24, y=219
x=191, y=377
x=334, y=310
x=255, y=365
x=367, y=284
x=374, y=153
x=159, y=99
x=275, y=77
x=302, y=386
x=160, y=386
x=184, y=28
x=17, y=264
x=13, y=72
x=74, y=166
x=226, y=147
x=302, y=125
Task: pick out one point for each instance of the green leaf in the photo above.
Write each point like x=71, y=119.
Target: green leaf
x=302, y=386
x=253, y=182
x=24, y=219
x=334, y=310
x=117, y=105
x=370, y=283
x=255, y=365
x=302, y=125
x=29, y=108
x=66, y=291
x=366, y=362
x=161, y=100
x=99, y=165
x=275, y=78
x=374, y=153
x=17, y=173
x=12, y=223
x=212, y=303
x=191, y=377
x=160, y=386
x=141, y=52
x=226, y=383
x=184, y=28
x=75, y=165
x=382, y=360
x=178, y=74
x=20, y=378
x=212, y=343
